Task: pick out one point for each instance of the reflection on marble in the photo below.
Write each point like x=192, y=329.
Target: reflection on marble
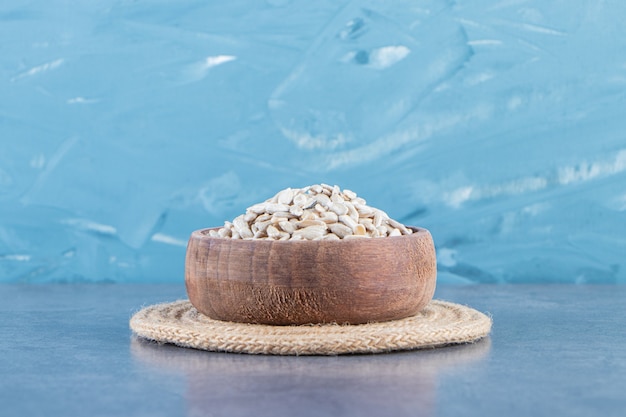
x=235, y=384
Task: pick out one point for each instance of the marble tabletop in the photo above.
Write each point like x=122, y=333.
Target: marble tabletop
x=66, y=350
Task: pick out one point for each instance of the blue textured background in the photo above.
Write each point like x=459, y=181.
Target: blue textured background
x=499, y=126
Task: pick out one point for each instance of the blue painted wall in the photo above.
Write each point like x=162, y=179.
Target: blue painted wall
x=499, y=126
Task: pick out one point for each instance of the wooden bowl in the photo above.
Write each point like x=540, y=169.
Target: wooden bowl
x=310, y=281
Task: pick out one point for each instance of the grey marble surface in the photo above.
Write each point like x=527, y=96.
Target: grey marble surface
x=66, y=350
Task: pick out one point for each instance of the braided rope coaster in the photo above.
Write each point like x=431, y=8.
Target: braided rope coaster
x=440, y=323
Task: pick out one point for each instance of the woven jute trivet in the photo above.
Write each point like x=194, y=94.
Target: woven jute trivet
x=440, y=323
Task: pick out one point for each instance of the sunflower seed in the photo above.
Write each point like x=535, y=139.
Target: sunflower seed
x=350, y=194
x=241, y=227
x=282, y=215
x=338, y=208
x=272, y=208
x=364, y=210
x=311, y=232
x=300, y=199
x=395, y=232
x=340, y=230
x=307, y=223
x=287, y=226
x=323, y=199
x=348, y=221
x=398, y=225
x=329, y=217
x=261, y=226
x=352, y=211
x=378, y=218
x=250, y=216
x=368, y=223
x=257, y=208
x=263, y=217
x=309, y=204
x=309, y=215
x=285, y=196
x=337, y=198
x=273, y=232
x=359, y=229
x=296, y=210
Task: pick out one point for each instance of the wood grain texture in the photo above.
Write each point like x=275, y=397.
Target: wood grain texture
x=299, y=282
